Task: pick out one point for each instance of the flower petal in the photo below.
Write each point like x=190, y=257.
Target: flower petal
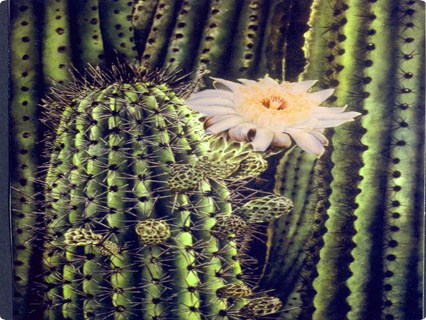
x=336, y=115
x=308, y=143
x=247, y=82
x=269, y=81
x=303, y=86
x=321, y=95
x=221, y=84
x=209, y=121
x=281, y=139
x=322, y=124
x=207, y=101
x=262, y=139
x=328, y=110
x=213, y=110
x=240, y=132
x=212, y=93
x=322, y=138
x=225, y=124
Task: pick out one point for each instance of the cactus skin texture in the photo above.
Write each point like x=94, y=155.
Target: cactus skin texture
x=120, y=239
x=361, y=258
x=49, y=38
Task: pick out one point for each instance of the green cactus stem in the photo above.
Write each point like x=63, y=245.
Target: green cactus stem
x=186, y=37
x=87, y=40
x=121, y=239
x=25, y=84
x=403, y=213
x=248, y=39
x=117, y=29
x=216, y=41
x=159, y=35
x=56, y=41
x=373, y=172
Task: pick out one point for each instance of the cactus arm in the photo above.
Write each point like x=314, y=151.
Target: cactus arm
x=88, y=35
x=248, y=39
x=56, y=44
x=25, y=79
x=142, y=18
x=275, y=30
x=335, y=255
x=404, y=211
x=116, y=28
x=158, y=38
x=295, y=60
x=366, y=266
x=216, y=40
x=184, y=42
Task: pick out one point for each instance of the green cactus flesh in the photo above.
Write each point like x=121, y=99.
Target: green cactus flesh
x=123, y=238
x=25, y=83
x=364, y=264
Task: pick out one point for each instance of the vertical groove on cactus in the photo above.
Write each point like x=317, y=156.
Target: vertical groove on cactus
x=115, y=19
x=185, y=39
x=159, y=35
x=374, y=43
x=142, y=18
x=87, y=37
x=25, y=81
x=56, y=43
x=403, y=217
x=274, y=45
x=217, y=35
x=294, y=61
x=335, y=255
x=248, y=39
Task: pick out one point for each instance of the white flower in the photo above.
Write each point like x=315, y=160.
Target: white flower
x=266, y=113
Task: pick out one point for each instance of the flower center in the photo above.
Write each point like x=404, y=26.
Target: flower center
x=275, y=103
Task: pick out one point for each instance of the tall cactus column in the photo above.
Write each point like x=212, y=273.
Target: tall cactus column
x=25, y=80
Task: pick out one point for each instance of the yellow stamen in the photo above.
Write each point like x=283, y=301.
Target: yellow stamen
x=275, y=103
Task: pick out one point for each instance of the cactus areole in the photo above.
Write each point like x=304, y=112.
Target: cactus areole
x=121, y=240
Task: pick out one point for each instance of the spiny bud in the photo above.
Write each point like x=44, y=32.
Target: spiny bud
x=266, y=209
x=153, y=231
x=216, y=169
x=227, y=225
x=108, y=248
x=184, y=177
x=262, y=306
x=234, y=290
x=82, y=237
x=250, y=167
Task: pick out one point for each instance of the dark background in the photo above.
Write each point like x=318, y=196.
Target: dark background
x=6, y=304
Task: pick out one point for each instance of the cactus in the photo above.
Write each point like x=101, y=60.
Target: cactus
x=374, y=64
x=189, y=206
x=125, y=233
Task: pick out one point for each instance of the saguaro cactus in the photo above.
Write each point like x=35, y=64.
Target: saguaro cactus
x=367, y=266
x=121, y=237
